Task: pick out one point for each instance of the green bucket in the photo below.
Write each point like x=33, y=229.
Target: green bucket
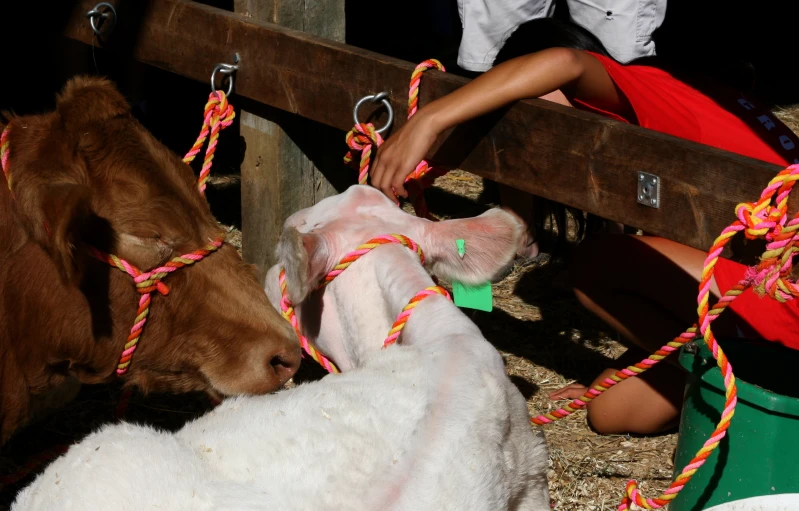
x=755, y=465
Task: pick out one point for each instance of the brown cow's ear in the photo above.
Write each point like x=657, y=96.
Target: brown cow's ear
x=88, y=100
x=66, y=209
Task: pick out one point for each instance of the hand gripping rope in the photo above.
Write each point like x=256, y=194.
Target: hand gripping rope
x=364, y=136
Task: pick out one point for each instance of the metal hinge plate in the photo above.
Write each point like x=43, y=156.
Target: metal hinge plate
x=648, y=190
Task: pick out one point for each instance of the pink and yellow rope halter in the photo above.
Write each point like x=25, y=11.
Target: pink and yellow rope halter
x=287, y=308
x=146, y=283
x=399, y=324
x=218, y=114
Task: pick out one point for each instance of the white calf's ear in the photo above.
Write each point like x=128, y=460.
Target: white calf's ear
x=304, y=257
x=490, y=244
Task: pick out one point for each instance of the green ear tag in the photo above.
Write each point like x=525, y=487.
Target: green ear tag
x=471, y=297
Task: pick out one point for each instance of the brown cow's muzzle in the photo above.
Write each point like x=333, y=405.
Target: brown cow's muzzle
x=262, y=363
x=286, y=359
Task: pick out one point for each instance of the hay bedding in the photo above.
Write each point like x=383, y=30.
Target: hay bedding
x=544, y=335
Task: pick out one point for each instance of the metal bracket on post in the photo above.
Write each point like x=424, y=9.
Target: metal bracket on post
x=227, y=70
x=648, y=190
x=379, y=97
x=103, y=19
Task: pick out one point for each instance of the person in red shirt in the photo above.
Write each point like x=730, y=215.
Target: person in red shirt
x=643, y=286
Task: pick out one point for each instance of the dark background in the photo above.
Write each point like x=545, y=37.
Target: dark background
x=713, y=32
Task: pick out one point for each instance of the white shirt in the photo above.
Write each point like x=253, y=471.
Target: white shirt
x=625, y=27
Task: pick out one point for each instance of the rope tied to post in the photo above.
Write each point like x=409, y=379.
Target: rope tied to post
x=364, y=136
x=219, y=114
x=766, y=218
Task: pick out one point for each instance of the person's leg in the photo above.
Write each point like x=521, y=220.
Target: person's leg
x=646, y=404
x=645, y=288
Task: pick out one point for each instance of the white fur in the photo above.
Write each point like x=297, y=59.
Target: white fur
x=432, y=423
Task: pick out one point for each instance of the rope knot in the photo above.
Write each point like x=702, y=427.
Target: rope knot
x=362, y=135
x=758, y=221
x=219, y=107
x=361, y=138
x=218, y=114
x=151, y=284
x=146, y=283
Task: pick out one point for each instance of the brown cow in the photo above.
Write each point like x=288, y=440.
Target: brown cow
x=89, y=175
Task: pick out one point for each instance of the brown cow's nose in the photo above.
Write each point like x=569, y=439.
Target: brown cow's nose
x=285, y=362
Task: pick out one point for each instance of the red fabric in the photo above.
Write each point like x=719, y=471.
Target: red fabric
x=759, y=317
x=664, y=103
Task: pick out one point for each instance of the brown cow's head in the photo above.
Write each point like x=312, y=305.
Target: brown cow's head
x=89, y=174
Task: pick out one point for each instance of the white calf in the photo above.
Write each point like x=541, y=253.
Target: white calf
x=430, y=423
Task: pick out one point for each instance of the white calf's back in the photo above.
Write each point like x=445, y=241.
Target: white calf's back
x=383, y=436
x=314, y=447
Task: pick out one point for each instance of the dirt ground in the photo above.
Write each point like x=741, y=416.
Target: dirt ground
x=547, y=341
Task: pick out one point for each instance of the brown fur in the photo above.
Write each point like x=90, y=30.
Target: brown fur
x=88, y=174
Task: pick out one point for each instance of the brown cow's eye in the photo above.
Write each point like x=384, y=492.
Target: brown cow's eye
x=146, y=234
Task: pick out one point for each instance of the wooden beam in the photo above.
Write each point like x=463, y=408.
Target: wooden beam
x=564, y=154
x=278, y=178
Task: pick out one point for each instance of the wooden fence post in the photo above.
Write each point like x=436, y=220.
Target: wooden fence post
x=278, y=177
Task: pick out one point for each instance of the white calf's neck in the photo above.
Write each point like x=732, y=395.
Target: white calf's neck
x=354, y=325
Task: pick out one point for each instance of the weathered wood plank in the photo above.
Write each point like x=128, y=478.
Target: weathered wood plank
x=277, y=177
x=563, y=154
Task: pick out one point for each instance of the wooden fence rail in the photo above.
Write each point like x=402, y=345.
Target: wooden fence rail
x=564, y=154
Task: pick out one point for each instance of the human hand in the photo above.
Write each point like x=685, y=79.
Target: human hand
x=571, y=391
x=400, y=154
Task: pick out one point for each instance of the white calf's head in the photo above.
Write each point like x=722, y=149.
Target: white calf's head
x=315, y=239
x=361, y=304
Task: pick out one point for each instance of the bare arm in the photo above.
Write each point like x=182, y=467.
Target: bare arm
x=578, y=74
